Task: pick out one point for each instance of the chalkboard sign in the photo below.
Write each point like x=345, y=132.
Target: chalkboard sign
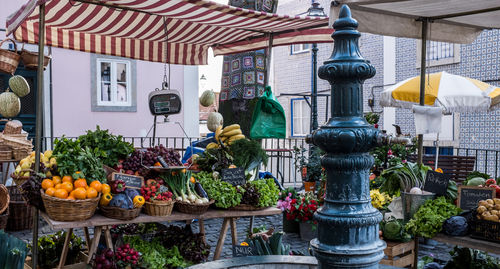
x=235, y=176
x=469, y=196
x=242, y=251
x=131, y=181
x=436, y=183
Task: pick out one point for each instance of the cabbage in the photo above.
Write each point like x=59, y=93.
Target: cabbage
x=456, y=226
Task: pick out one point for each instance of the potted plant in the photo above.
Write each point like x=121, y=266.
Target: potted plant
x=284, y=203
x=302, y=211
x=308, y=166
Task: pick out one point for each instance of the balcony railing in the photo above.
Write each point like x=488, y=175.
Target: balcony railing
x=281, y=161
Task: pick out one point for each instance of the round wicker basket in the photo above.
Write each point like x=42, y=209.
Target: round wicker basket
x=245, y=207
x=192, y=208
x=4, y=198
x=69, y=210
x=157, y=208
x=114, y=212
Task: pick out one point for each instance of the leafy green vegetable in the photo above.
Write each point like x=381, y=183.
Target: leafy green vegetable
x=247, y=154
x=393, y=229
x=71, y=157
x=224, y=194
x=452, y=191
x=466, y=258
x=403, y=176
x=269, y=192
x=428, y=220
x=112, y=147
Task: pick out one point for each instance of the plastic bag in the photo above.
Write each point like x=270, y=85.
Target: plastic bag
x=268, y=119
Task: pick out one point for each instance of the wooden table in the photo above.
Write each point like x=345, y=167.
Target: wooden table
x=102, y=226
x=469, y=242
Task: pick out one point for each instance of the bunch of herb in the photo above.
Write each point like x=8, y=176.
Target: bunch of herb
x=247, y=154
x=268, y=192
x=466, y=258
x=403, y=177
x=429, y=218
x=50, y=246
x=71, y=157
x=155, y=255
x=191, y=245
x=224, y=194
x=214, y=159
x=112, y=147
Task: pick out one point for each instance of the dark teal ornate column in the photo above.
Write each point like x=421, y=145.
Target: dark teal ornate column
x=347, y=222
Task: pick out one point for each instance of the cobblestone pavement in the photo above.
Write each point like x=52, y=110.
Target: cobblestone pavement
x=431, y=248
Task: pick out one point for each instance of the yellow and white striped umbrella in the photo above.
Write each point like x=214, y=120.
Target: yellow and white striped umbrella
x=453, y=93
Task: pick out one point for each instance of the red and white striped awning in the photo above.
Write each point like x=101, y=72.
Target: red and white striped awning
x=138, y=29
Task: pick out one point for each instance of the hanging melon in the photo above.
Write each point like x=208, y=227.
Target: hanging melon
x=10, y=105
x=19, y=86
x=214, y=120
x=207, y=98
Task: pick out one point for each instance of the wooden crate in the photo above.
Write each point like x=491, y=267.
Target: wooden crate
x=399, y=254
x=82, y=257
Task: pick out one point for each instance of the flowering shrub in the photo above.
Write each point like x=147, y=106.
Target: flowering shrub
x=303, y=208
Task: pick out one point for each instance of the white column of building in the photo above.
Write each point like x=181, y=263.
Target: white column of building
x=389, y=78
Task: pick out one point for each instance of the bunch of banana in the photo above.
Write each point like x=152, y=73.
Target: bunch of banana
x=229, y=134
x=27, y=163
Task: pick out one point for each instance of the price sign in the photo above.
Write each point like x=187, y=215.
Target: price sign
x=242, y=251
x=131, y=181
x=436, y=183
x=235, y=176
x=469, y=197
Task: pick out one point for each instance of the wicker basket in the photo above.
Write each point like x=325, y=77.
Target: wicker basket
x=20, y=214
x=486, y=230
x=159, y=208
x=192, y=208
x=69, y=210
x=245, y=207
x=4, y=198
x=30, y=59
x=21, y=153
x=114, y=212
x=19, y=180
x=5, y=154
x=9, y=60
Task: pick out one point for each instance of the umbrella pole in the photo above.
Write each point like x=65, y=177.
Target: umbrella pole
x=436, y=144
x=39, y=121
x=268, y=59
x=422, y=84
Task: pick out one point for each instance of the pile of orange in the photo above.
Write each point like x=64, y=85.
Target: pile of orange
x=67, y=188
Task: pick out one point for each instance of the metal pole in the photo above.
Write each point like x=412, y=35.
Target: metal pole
x=314, y=91
x=39, y=122
x=420, y=142
x=268, y=59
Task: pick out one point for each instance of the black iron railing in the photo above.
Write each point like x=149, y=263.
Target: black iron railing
x=281, y=161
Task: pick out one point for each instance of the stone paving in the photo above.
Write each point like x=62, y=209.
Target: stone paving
x=212, y=227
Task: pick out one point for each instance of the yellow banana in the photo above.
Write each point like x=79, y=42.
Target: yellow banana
x=212, y=145
x=231, y=127
x=236, y=137
x=218, y=132
x=223, y=139
x=232, y=133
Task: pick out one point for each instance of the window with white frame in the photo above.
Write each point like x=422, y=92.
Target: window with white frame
x=439, y=53
x=300, y=48
x=113, y=82
x=301, y=116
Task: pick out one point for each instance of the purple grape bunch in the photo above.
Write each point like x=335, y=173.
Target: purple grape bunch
x=140, y=158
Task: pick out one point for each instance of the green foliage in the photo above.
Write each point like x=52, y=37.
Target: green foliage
x=403, y=177
x=286, y=191
x=273, y=245
x=466, y=258
x=155, y=255
x=247, y=154
x=71, y=157
x=391, y=155
x=372, y=118
x=214, y=159
x=452, y=190
x=112, y=147
x=50, y=248
x=312, y=163
x=269, y=192
x=429, y=218
x=224, y=194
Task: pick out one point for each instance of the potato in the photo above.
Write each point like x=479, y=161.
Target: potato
x=492, y=218
x=481, y=209
x=490, y=207
x=485, y=215
x=490, y=201
x=483, y=203
x=498, y=214
x=497, y=207
x=497, y=201
x=494, y=212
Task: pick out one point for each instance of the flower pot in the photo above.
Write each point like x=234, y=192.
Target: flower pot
x=309, y=186
x=290, y=226
x=306, y=231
